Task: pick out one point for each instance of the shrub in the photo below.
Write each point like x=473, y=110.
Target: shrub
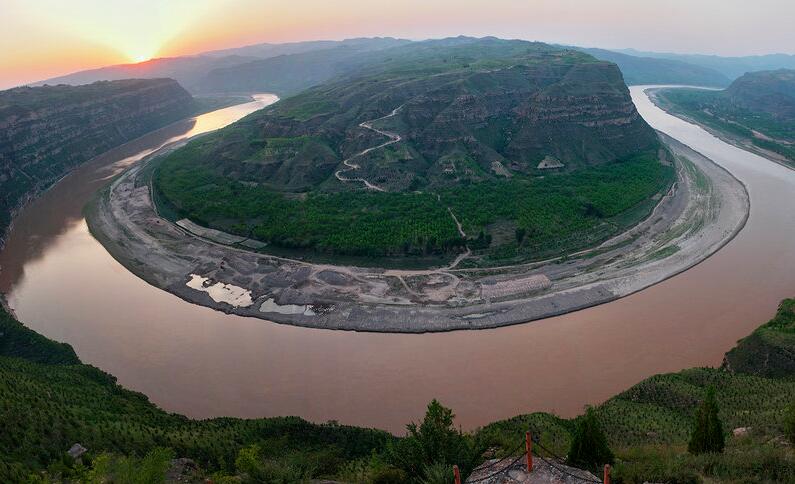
x=589, y=446
x=437, y=474
x=707, y=433
x=434, y=441
x=254, y=468
x=389, y=476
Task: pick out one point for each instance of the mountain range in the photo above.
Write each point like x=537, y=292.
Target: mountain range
x=291, y=67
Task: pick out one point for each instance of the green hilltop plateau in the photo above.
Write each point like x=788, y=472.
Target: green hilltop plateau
x=524, y=144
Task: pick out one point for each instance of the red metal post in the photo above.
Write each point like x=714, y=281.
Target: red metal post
x=457, y=475
x=529, y=448
x=607, y=474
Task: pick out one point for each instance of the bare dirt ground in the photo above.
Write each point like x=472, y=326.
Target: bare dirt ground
x=704, y=209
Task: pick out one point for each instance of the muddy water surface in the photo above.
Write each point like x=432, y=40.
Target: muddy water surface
x=204, y=363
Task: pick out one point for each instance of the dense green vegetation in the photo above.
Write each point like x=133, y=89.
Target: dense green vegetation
x=49, y=401
x=757, y=109
x=353, y=223
x=560, y=211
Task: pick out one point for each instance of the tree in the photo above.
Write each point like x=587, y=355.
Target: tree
x=789, y=423
x=434, y=442
x=589, y=447
x=707, y=434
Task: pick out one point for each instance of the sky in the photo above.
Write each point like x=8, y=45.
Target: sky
x=46, y=38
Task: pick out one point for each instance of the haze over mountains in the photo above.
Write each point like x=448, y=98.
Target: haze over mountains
x=291, y=67
x=231, y=69
x=639, y=70
x=731, y=67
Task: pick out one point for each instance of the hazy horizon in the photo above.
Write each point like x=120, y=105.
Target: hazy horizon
x=49, y=38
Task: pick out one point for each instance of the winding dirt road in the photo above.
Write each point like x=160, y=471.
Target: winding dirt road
x=393, y=138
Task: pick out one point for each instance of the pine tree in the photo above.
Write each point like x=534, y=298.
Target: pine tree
x=708, y=431
x=589, y=447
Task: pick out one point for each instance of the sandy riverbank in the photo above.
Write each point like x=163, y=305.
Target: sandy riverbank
x=702, y=212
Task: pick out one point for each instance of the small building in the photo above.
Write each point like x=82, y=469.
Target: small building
x=545, y=471
x=550, y=163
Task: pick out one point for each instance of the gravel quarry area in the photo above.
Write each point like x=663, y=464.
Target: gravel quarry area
x=704, y=209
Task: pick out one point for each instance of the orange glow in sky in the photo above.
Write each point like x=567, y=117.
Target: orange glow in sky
x=45, y=38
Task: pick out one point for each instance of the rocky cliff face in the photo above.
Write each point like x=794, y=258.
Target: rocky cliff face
x=47, y=131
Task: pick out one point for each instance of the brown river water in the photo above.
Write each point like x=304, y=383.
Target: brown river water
x=203, y=363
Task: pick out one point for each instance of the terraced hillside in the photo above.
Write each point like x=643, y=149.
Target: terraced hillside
x=522, y=143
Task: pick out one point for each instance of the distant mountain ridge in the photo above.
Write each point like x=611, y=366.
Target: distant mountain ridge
x=191, y=71
x=639, y=70
x=292, y=73
x=267, y=50
x=188, y=71
x=731, y=67
x=288, y=68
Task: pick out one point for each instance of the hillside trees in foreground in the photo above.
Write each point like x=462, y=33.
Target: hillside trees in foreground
x=589, y=447
x=708, y=431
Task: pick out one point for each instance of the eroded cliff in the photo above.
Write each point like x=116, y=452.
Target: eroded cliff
x=47, y=131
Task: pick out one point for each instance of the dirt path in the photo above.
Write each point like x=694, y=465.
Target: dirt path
x=393, y=138
x=457, y=223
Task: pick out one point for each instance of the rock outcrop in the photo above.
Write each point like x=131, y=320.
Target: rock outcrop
x=47, y=131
